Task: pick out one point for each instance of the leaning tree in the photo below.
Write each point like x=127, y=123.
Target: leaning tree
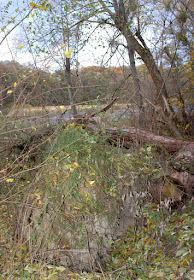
x=128, y=18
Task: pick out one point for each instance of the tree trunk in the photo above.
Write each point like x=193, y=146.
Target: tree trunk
x=70, y=89
x=146, y=56
x=120, y=18
x=136, y=82
x=122, y=23
x=142, y=136
x=162, y=94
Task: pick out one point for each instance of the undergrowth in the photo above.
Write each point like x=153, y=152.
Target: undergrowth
x=74, y=165
x=160, y=248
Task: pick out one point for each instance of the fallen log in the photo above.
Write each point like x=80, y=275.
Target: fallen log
x=142, y=136
x=129, y=134
x=182, y=162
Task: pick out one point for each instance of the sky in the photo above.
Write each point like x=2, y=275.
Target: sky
x=92, y=54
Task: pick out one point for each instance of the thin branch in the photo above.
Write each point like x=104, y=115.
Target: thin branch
x=106, y=9
x=15, y=27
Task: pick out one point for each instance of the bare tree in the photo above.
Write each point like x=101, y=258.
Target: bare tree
x=120, y=17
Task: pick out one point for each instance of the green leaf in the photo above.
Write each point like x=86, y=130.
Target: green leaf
x=180, y=252
x=110, y=242
x=30, y=269
x=60, y=268
x=26, y=273
x=182, y=269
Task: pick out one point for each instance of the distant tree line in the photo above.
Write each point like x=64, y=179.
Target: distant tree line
x=92, y=84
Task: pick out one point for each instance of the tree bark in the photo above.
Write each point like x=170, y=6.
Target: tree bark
x=142, y=136
x=162, y=94
x=70, y=89
x=136, y=82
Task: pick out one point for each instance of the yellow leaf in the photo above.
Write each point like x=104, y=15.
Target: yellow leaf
x=10, y=91
x=33, y=5
x=75, y=164
x=68, y=53
x=41, y=7
x=3, y=28
x=15, y=84
x=76, y=207
x=63, y=46
x=71, y=125
x=37, y=195
x=40, y=203
x=10, y=180
x=20, y=47
x=90, y=182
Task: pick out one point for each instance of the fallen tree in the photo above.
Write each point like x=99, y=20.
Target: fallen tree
x=139, y=135
x=168, y=186
x=124, y=135
x=129, y=134
x=182, y=162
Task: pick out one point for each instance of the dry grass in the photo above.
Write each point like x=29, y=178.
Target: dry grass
x=28, y=110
